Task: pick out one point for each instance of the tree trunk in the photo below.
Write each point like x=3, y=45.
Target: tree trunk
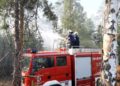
x=21, y=24
x=17, y=68
x=110, y=43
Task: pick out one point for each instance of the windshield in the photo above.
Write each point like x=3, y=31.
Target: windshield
x=25, y=63
x=41, y=62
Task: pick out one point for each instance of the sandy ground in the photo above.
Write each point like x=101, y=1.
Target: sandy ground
x=5, y=83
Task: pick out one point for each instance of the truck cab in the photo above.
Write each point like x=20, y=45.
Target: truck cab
x=81, y=69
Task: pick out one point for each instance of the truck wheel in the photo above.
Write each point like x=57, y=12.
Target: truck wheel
x=22, y=84
x=98, y=82
x=52, y=83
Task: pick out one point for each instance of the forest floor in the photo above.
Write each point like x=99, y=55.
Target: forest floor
x=6, y=82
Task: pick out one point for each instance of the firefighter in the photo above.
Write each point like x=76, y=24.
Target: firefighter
x=70, y=39
x=77, y=41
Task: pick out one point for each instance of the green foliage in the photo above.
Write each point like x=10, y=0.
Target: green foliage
x=68, y=17
x=75, y=18
x=30, y=4
x=30, y=40
x=6, y=66
x=47, y=9
x=3, y=3
x=97, y=36
x=5, y=26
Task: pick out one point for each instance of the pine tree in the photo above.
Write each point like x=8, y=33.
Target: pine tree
x=68, y=17
x=17, y=68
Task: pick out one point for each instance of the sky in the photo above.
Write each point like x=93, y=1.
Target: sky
x=91, y=6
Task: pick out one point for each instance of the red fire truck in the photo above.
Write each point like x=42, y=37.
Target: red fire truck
x=80, y=69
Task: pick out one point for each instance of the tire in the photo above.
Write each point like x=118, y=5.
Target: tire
x=98, y=82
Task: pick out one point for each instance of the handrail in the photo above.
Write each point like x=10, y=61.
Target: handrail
x=84, y=49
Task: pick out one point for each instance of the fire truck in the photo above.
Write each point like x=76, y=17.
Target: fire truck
x=81, y=68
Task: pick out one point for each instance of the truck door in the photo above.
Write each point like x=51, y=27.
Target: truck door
x=44, y=67
x=83, y=71
x=63, y=70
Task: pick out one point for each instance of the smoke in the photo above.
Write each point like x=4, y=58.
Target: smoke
x=51, y=39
